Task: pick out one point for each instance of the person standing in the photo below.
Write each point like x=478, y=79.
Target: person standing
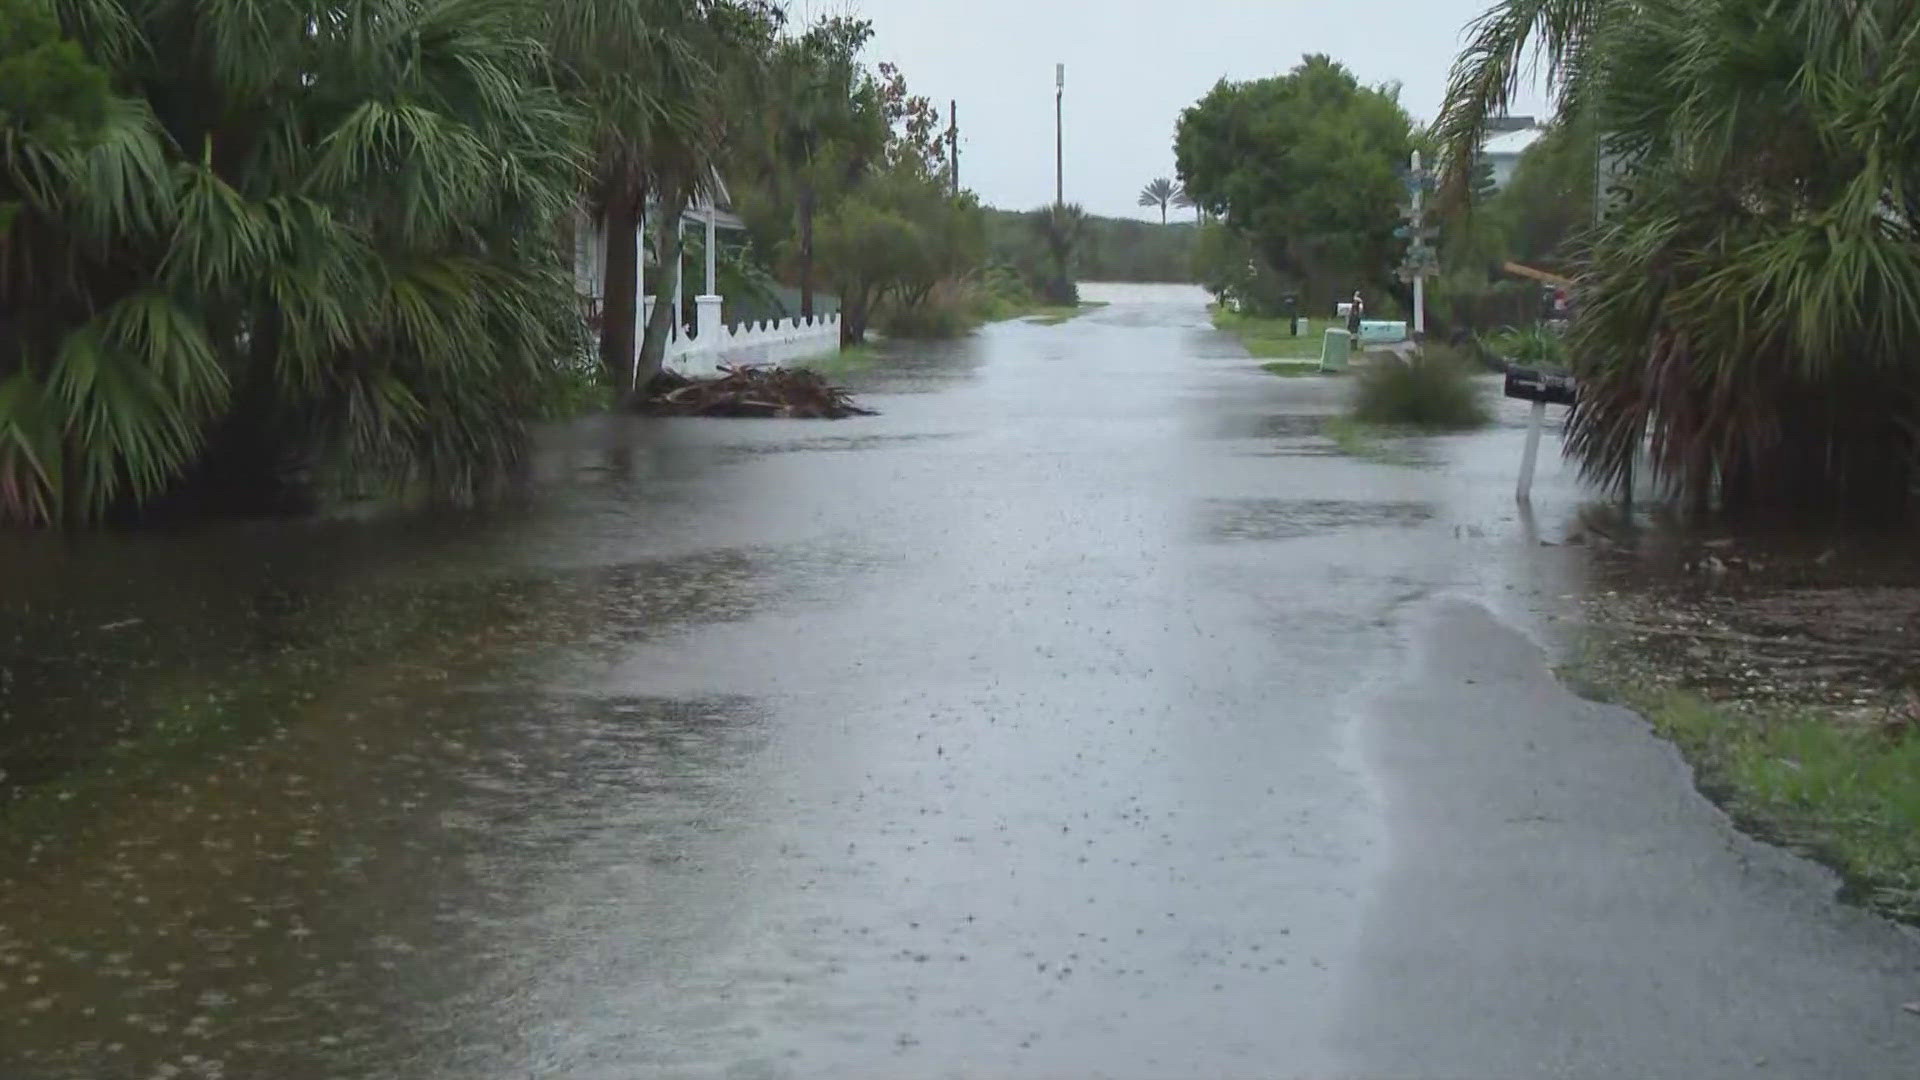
x=1353, y=316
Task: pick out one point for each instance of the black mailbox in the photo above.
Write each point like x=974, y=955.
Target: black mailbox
x=1532, y=384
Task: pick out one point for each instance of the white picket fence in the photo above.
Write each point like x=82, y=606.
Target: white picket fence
x=766, y=341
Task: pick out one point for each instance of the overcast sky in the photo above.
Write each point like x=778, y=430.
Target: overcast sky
x=1132, y=65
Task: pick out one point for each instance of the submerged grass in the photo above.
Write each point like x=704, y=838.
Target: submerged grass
x=842, y=361
x=1356, y=438
x=1054, y=316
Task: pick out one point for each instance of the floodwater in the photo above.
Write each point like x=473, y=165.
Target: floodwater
x=1082, y=714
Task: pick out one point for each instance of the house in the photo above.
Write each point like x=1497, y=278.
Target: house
x=699, y=349
x=1507, y=138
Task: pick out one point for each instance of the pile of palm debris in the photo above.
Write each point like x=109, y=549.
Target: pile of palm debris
x=748, y=390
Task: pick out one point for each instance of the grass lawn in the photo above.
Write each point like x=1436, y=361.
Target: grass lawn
x=1271, y=339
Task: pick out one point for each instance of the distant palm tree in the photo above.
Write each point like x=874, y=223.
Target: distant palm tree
x=1185, y=202
x=1159, y=193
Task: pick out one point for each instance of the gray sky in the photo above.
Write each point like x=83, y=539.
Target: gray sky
x=1132, y=65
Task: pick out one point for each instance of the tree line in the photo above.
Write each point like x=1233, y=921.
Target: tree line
x=1104, y=248
x=259, y=248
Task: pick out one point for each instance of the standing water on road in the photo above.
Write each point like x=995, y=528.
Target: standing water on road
x=1085, y=713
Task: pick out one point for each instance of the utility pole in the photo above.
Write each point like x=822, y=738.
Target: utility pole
x=1059, y=140
x=953, y=142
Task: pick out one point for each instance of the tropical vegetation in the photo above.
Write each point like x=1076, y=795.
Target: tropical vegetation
x=1749, y=308
x=278, y=250
x=274, y=238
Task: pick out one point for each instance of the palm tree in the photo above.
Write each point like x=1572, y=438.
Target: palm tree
x=1185, y=202
x=324, y=243
x=1160, y=192
x=1060, y=227
x=633, y=66
x=1752, y=303
x=731, y=42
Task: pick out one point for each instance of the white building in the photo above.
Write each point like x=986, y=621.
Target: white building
x=1507, y=138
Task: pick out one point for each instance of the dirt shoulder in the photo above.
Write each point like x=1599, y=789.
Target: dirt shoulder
x=1788, y=675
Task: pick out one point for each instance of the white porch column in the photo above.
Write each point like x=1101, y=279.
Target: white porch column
x=707, y=305
x=639, y=292
x=707, y=320
x=679, y=273
x=713, y=289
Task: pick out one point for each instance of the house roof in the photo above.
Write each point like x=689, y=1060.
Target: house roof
x=722, y=219
x=1511, y=143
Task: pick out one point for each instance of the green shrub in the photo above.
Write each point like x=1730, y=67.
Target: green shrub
x=998, y=292
x=927, y=319
x=1534, y=346
x=1436, y=392
x=949, y=311
x=573, y=388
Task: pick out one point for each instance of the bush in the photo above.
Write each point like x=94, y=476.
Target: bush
x=1436, y=393
x=951, y=310
x=928, y=319
x=998, y=292
x=1535, y=346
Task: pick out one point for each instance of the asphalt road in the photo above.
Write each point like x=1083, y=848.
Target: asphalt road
x=1085, y=714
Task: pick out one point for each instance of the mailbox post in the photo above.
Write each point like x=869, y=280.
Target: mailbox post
x=1543, y=388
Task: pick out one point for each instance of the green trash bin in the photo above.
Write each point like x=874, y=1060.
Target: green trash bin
x=1334, y=350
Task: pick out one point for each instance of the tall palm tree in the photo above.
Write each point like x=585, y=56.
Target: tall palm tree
x=731, y=41
x=1160, y=192
x=636, y=69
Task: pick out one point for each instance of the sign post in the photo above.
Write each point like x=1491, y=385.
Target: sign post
x=1421, y=259
x=1531, y=454
x=1542, y=388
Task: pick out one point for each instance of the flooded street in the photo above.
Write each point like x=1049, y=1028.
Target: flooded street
x=1086, y=713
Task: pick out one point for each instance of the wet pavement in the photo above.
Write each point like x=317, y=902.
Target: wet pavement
x=1083, y=714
